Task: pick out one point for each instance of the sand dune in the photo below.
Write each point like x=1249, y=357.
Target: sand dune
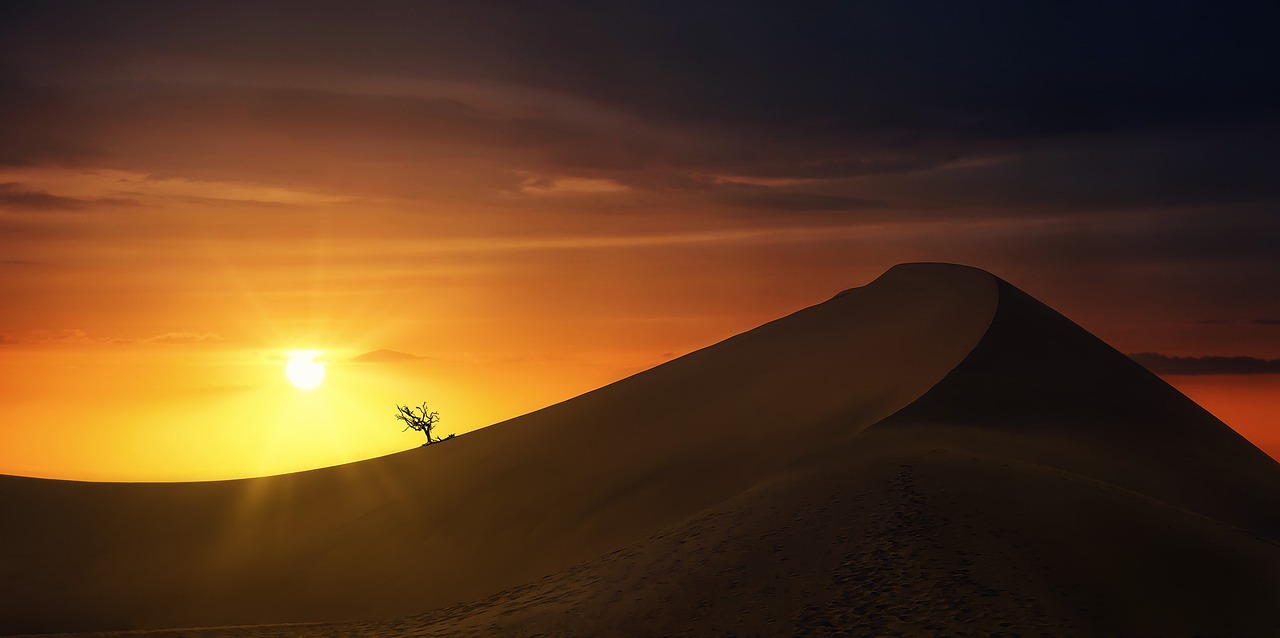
x=934, y=453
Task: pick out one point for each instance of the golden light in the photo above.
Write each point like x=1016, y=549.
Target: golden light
x=303, y=370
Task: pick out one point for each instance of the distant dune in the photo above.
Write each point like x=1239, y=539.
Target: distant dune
x=385, y=356
x=935, y=453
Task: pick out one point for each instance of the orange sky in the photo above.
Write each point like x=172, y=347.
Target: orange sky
x=1245, y=402
x=164, y=360
x=540, y=202
x=144, y=328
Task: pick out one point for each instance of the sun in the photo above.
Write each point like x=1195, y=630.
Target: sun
x=303, y=370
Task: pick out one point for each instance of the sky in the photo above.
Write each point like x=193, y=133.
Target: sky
x=532, y=201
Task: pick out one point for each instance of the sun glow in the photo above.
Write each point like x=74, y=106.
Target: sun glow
x=302, y=370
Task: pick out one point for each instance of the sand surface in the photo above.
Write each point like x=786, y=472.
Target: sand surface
x=935, y=453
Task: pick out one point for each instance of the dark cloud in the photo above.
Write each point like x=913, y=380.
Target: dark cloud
x=36, y=125
x=1161, y=364
x=1086, y=107
x=1243, y=238
x=1116, y=134
x=915, y=77
x=1267, y=322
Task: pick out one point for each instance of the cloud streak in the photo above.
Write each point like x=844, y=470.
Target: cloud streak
x=77, y=336
x=1162, y=364
x=14, y=195
x=185, y=337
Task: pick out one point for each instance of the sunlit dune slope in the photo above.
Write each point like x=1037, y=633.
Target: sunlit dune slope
x=494, y=508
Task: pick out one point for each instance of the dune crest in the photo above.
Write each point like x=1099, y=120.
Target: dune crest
x=882, y=462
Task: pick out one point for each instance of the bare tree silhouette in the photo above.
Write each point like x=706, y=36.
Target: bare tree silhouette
x=424, y=421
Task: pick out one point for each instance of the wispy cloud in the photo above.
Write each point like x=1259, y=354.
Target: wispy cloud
x=546, y=185
x=14, y=195
x=60, y=336
x=784, y=201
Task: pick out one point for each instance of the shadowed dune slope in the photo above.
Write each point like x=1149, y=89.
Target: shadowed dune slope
x=495, y=508
x=910, y=530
